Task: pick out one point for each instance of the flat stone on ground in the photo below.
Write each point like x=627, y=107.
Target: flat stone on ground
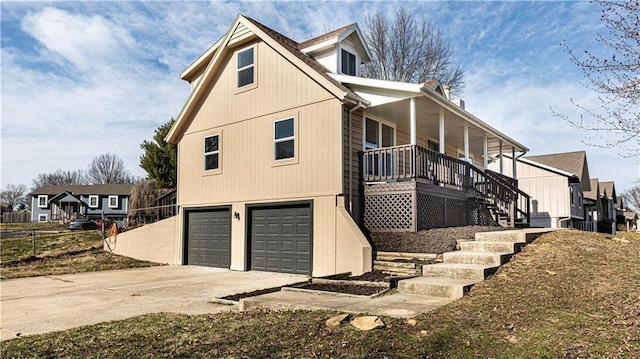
x=367, y=322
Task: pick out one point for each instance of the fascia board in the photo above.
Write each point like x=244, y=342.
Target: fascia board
x=436, y=97
x=206, y=56
x=172, y=136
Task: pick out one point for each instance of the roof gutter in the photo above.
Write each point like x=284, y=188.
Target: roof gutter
x=350, y=189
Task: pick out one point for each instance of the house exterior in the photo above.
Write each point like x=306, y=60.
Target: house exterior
x=556, y=183
x=68, y=203
x=287, y=157
x=593, y=204
x=610, y=204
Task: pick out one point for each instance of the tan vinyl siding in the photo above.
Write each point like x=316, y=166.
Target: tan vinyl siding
x=248, y=173
x=354, y=166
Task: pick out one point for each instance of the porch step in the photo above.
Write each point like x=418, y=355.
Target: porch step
x=397, y=268
x=459, y=271
x=436, y=286
x=516, y=236
x=491, y=247
x=485, y=258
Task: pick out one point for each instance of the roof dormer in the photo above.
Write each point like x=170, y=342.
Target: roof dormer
x=341, y=51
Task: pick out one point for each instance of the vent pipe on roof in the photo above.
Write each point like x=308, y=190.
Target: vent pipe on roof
x=447, y=91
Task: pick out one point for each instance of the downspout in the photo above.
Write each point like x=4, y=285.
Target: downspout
x=349, y=192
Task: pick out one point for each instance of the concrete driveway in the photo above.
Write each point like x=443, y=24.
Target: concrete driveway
x=51, y=303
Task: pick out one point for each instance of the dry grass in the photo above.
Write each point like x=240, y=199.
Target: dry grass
x=64, y=253
x=568, y=295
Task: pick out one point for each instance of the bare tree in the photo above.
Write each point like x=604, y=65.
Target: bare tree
x=108, y=168
x=14, y=195
x=615, y=120
x=632, y=197
x=60, y=178
x=409, y=50
x=143, y=196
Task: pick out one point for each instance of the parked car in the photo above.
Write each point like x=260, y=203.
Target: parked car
x=82, y=224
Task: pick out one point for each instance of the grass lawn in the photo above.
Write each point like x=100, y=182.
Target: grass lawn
x=569, y=294
x=59, y=253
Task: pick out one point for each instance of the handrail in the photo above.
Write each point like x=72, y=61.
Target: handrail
x=412, y=162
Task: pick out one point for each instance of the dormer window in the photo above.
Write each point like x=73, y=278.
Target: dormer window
x=348, y=63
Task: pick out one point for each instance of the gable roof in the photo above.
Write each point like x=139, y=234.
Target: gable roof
x=336, y=36
x=324, y=37
x=572, y=162
x=94, y=189
x=609, y=189
x=594, y=193
x=278, y=42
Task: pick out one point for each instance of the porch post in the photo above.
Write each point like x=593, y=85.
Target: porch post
x=466, y=142
x=441, y=128
x=412, y=118
x=485, y=151
x=513, y=159
x=501, y=159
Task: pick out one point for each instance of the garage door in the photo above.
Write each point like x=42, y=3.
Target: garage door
x=209, y=237
x=281, y=239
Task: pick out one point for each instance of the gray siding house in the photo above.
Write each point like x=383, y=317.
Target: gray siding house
x=68, y=203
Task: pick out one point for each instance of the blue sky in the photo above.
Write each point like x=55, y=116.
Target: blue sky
x=84, y=78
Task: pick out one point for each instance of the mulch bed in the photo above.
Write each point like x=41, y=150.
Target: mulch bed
x=344, y=288
x=373, y=276
x=435, y=241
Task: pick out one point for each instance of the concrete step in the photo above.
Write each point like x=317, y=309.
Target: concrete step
x=397, y=268
x=436, y=286
x=459, y=271
x=491, y=247
x=486, y=258
x=517, y=235
x=391, y=256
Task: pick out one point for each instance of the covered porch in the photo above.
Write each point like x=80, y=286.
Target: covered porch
x=416, y=133
x=65, y=207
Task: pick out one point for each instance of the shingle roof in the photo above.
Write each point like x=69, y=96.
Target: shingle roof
x=293, y=47
x=572, y=162
x=323, y=37
x=593, y=193
x=609, y=188
x=99, y=189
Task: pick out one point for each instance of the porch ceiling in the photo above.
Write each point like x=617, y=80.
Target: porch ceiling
x=428, y=121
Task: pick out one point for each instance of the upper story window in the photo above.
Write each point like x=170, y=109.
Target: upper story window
x=212, y=153
x=93, y=201
x=246, y=67
x=113, y=201
x=42, y=201
x=348, y=63
x=284, y=139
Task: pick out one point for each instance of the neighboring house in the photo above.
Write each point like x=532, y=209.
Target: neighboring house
x=287, y=157
x=610, y=207
x=592, y=203
x=67, y=203
x=556, y=183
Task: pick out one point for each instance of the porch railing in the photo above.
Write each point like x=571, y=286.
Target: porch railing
x=415, y=162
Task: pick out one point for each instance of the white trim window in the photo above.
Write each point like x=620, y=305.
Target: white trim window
x=43, y=218
x=246, y=67
x=284, y=139
x=113, y=201
x=212, y=153
x=378, y=134
x=93, y=201
x=348, y=63
x=42, y=201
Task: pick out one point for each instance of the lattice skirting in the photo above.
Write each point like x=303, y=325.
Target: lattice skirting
x=389, y=212
x=416, y=210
